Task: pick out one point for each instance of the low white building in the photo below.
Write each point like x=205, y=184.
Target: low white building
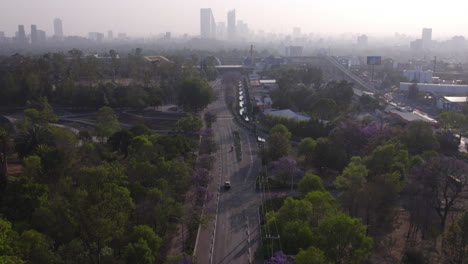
x=442, y=89
x=418, y=75
x=452, y=103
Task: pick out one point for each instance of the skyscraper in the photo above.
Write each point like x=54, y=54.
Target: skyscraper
x=231, y=25
x=41, y=36
x=110, y=35
x=58, y=30
x=207, y=24
x=426, y=38
x=296, y=32
x=221, y=30
x=21, y=37
x=33, y=34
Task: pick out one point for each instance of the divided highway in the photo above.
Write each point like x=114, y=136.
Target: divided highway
x=233, y=232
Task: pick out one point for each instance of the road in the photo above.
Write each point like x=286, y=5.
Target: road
x=233, y=232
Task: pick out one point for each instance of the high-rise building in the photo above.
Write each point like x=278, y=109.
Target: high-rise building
x=207, y=24
x=96, y=36
x=242, y=30
x=110, y=35
x=231, y=25
x=426, y=38
x=21, y=37
x=58, y=29
x=296, y=32
x=41, y=36
x=33, y=34
x=221, y=30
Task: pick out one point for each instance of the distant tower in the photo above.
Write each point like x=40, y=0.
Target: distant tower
x=207, y=24
x=231, y=25
x=58, y=29
x=426, y=38
x=21, y=37
x=110, y=35
x=41, y=36
x=34, y=37
x=221, y=30
x=296, y=32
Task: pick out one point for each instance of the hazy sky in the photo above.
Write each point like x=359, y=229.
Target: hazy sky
x=150, y=17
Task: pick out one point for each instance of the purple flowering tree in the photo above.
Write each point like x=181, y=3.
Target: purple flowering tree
x=279, y=258
x=286, y=168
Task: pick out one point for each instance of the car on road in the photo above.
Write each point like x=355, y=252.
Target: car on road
x=227, y=185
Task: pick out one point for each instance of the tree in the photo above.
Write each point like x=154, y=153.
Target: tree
x=323, y=205
x=310, y=183
x=40, y=111
x=295, y=235
x=455, y=122
x=102, y=207
x=287, y=169
x=195, y=94
x=278, y=142
x=306, y=148
x=440, y=181
x=6, y=145
x=352, y=183
x=146, y=233
x=139, y=253
x=311, y=256
x=327, y=155
x=341, y=92
x=120, y=141
x=455, y=244
x=10, y=250
x=143, y=245
x=106, y=122
x=139, y=130
x=280, y=129
x=324, y=108
x=37, y=248
x=190, y=123
x=419, y=137
x=28, y=141
x=413, y=92
x=343, y=239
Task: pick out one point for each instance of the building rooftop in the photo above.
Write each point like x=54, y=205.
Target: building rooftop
x=456, y=99
x=287, y=113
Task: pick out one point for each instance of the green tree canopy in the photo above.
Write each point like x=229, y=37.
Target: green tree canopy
x=306, y=148
x=190, y=123
x=195, y=94
x=419, y=137
x=40, y=111
x=311, y=256
x=343, y=239
x=310, y=183
x=106, y=122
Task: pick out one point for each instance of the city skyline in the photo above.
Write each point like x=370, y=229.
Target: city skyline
x=148, y=18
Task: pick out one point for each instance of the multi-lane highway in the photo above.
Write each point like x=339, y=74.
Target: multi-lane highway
x=232, y=234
